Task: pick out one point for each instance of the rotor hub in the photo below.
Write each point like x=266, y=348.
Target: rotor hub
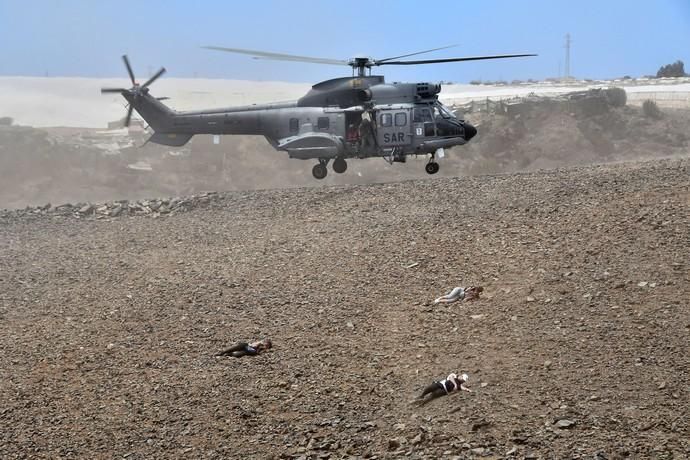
x=132, y=94
x=361, y=63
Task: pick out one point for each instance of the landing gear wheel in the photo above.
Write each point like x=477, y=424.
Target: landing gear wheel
x=432, y=167
x=340, y=165
x=319, y=171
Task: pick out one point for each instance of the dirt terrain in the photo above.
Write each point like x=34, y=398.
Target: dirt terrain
x=577, y=349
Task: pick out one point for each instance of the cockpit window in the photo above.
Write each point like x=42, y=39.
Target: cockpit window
x=443, y=111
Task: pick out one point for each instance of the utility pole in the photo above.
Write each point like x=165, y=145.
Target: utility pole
x=567, y=55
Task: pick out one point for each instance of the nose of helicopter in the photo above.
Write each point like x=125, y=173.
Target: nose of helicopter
x=470, y=131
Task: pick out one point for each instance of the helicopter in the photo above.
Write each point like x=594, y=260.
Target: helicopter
x=355, y=117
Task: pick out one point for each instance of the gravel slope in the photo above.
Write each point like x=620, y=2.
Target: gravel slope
x=578, y=349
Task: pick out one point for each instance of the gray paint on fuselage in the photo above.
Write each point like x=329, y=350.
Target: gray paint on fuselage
x=270, y=120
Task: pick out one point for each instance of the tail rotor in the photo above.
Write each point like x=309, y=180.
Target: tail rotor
x=136, y=91
x=129, y=69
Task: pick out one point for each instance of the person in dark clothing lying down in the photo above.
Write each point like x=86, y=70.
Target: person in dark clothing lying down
x=247, y=349
x=443, y=387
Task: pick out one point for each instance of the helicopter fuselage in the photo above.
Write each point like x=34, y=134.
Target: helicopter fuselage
x=357, y=117
x=348, y=117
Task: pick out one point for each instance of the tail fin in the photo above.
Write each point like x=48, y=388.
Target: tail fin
x=155, y=113
x=158, y=115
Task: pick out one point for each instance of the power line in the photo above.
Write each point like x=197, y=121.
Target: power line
x=567, y=55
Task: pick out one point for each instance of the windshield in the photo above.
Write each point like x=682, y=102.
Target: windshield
x=442, y=110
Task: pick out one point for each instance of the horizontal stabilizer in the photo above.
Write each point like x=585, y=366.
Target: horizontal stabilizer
x=171, y=139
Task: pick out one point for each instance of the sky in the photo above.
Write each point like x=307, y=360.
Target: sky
x=87, y=37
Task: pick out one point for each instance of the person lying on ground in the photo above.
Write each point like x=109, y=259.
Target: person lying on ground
x=247, y=349
x=458, y=293
x=443, y=387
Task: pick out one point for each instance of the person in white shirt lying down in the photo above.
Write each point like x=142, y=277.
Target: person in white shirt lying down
x=458, y=293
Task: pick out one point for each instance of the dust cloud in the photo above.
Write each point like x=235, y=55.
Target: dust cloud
x=85, y=164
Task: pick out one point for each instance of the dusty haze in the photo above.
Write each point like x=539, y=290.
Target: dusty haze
x=62, y=152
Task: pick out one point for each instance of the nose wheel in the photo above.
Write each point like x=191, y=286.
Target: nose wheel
x=319, y=171
x=432, y=167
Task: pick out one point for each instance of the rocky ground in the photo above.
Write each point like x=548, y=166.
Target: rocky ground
x=579, y=348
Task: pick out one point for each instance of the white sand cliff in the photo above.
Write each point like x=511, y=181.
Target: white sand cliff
x=77, y=102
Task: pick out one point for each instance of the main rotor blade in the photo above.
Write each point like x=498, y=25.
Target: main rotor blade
x=112, y=90
x=437, y=61
x=129, y=69
x=414, y=54
x=154, y=78
x=278, y=56
x=129, y=116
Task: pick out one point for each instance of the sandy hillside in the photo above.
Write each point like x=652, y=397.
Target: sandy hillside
x=578, y=349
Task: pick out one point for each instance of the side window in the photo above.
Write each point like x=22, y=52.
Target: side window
x=386, y=119
x=421, y=115
x=400, y=119
x=294, y=125
x=323, y=123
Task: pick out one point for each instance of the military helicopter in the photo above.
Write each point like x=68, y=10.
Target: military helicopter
x=360, y=116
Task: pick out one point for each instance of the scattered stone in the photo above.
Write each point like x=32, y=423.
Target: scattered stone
x=152, y=208
x=476, y=426
x=564, y=423
x=394, y=444
x=86, y=209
